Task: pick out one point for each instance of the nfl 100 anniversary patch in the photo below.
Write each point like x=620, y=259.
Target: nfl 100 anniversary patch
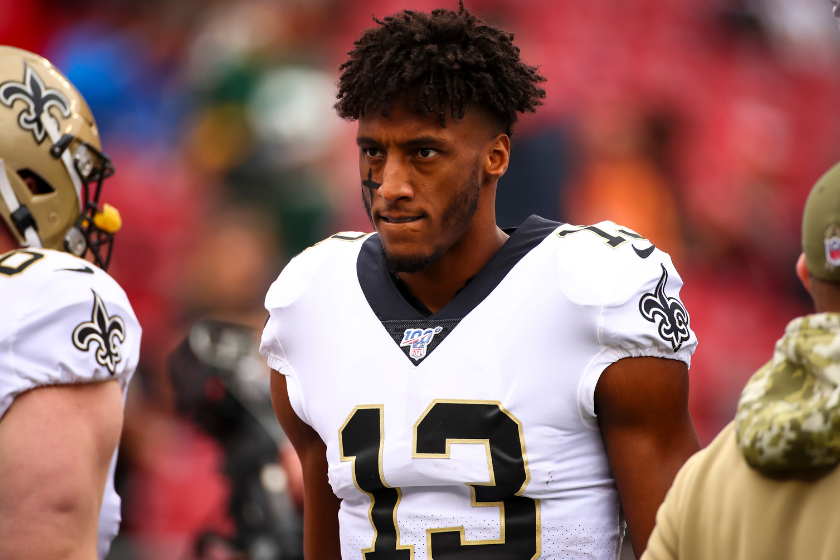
x=106, y=331
x=832, y=247
x=418, y=341
x=419, y=338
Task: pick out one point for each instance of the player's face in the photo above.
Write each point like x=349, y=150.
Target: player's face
x=421, y=181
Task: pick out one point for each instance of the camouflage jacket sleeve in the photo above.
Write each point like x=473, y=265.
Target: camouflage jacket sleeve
x=789, y=412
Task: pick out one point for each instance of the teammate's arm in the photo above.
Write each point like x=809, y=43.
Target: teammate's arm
x=320, y=504
x=642, y=408
x=57, y=444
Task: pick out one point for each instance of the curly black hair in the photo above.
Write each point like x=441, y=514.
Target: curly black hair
x=436, y=61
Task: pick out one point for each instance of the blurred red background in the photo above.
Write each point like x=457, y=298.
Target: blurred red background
x=701, y=125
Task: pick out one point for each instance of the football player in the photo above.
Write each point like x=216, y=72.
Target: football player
x=456, y=390
x=69, y=340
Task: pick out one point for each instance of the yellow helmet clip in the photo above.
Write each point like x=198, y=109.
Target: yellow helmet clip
x=108, y=220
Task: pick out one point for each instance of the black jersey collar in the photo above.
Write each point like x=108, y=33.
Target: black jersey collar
x=398, y=316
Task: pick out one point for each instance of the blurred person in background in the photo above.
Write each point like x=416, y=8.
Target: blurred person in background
x=235, y=256
x=767, y=486
x=222, y=386
x=216, y=484
x=262, y=127
x=69, y=340
x=625, y=177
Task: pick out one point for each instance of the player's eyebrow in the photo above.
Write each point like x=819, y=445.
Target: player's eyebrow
x=420, y=141
x=423, y=141
x=366, y=140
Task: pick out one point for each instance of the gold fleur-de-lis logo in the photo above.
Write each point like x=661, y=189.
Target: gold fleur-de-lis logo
x=38, y=98
x=108, y=332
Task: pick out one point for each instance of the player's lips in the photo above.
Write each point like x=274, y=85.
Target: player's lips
x=398, y=219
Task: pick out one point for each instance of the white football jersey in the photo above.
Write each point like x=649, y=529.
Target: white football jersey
x=471, y=433
x=65, y=321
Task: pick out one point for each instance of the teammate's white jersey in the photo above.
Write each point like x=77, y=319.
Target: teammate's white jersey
x=471, y=433
x=65, y=321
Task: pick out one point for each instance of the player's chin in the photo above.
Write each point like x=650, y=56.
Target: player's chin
x=408, y=257
x=409, y=262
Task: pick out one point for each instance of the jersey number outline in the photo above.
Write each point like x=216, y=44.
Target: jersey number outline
x=361, y=440
x=614, y=241
x=11, y=270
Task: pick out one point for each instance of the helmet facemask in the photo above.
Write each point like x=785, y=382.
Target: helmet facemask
x=95, y=228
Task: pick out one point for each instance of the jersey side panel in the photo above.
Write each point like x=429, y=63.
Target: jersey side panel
x=296, y=280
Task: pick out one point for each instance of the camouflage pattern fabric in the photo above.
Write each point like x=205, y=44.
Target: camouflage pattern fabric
x=789, y=413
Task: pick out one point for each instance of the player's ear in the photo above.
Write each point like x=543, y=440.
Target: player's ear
x=802, y=272
x=498, y=158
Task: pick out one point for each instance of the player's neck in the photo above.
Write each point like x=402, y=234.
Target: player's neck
x=828, y=305
x=826, y=295
x=438, y=284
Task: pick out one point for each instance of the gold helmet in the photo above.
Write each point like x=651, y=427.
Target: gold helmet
x=51, y=163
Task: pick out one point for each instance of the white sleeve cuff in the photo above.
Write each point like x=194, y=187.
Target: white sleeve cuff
x=274, y=353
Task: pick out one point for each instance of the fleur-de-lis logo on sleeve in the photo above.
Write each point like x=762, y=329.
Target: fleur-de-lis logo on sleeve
x=673, y=325
x=108, y=332
x=38, y=99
